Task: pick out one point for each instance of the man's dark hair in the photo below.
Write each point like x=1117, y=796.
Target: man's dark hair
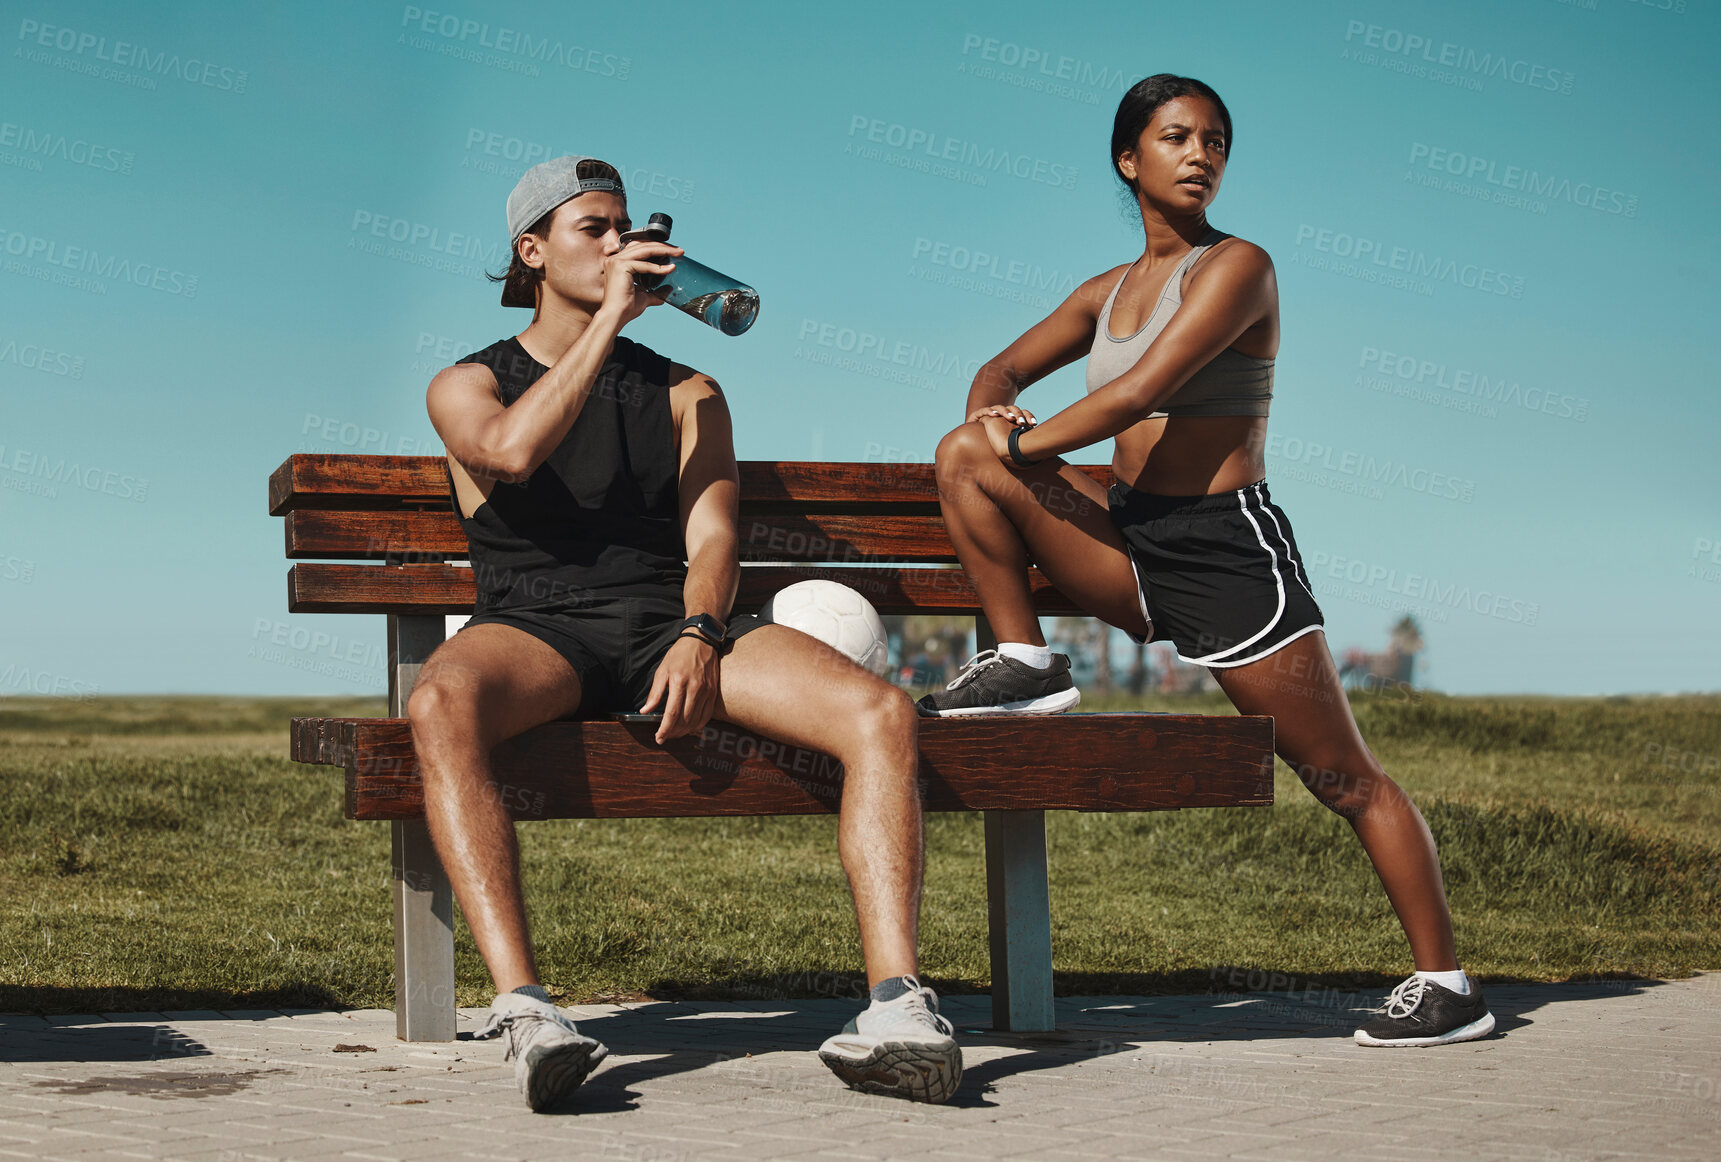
x=519, y=281
x=1143, y=101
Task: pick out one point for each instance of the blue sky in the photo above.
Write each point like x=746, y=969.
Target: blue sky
x=1492, y=223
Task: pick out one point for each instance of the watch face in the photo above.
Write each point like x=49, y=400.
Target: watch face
x=706, y=626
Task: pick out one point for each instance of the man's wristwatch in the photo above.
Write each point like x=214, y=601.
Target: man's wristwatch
x=1016, y=451
x=703, y=626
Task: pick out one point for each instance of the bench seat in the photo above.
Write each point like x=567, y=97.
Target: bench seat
x=613, y=770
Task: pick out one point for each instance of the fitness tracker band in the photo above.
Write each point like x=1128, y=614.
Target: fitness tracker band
x=705, y=627
x=1016, y=449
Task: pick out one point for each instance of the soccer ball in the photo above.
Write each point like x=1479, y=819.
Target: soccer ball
x=837, y=616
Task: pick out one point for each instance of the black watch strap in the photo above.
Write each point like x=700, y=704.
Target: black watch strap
x=1016, y=449
x=708, y=628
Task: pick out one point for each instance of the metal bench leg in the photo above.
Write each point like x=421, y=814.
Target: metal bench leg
x=1019, y=912
x=423, y=938
x=423, y=900
x=1018, y=908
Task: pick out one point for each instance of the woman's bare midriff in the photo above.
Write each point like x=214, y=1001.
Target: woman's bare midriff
x=1192, y=455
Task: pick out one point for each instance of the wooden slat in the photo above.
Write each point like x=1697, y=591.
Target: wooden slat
x=318, y=480
x=318, y=740
x=311, y=481
x=372, y=535
x=813, y=486
x=838, y=538
x=410, y=589
x=605, y=770
x=844, y=539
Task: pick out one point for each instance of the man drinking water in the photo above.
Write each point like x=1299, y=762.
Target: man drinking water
x=596, y=482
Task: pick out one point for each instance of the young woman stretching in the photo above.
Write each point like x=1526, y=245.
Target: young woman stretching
x=1187, y=544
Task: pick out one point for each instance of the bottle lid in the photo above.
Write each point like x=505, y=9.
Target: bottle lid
x=656, y=229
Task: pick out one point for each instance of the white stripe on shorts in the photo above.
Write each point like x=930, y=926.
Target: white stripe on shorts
x=1296, y=565
x=1212, y=659
x=1141, y=600
x=1282, y=642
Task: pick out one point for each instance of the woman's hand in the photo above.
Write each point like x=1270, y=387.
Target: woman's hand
x=1008, y=411
x=998, y=429
x=998, y=420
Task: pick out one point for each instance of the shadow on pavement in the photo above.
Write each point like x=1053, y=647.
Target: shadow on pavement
x=103, y=1042
x=125, y=999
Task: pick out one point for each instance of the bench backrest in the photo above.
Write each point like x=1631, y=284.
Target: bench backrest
x=873, y=527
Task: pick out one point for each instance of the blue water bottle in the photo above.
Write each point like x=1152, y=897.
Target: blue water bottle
x=708, y=295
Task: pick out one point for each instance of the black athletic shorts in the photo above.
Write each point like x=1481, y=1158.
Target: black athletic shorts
x=1219, y=574
x=614, y=644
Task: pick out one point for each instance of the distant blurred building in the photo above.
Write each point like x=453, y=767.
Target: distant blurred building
x=1394, y=666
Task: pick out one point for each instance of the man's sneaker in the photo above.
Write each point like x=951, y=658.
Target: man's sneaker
x=902, y=1048
x=1420, y=1012
x=551, y=1057
x=991, y=683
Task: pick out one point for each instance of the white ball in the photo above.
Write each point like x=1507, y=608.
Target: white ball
x=837, y=616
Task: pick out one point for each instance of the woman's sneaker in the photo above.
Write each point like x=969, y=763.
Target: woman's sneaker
x=1420, y=1012
x=991, y=683
x=551, y=1057
x=902, y=1048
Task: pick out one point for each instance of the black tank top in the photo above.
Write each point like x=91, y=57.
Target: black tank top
x=601, y=516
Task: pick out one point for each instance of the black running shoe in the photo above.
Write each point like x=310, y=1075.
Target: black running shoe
x=991, y=683
x=1420, y=1012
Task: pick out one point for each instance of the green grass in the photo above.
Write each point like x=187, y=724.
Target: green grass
x=162, y=853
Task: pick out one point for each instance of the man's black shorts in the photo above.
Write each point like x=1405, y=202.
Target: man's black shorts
x=614, y=644
x=1219, y=575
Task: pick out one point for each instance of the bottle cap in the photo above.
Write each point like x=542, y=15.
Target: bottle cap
x=656, y=229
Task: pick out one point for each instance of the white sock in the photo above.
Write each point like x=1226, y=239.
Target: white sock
x=1038, y=657
x=1455, y=980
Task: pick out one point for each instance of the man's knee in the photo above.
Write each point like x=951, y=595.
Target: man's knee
x=439, y=700
x=887, y=716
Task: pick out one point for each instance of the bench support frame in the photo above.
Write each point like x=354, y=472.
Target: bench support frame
x=1018, y=907
x=1019, y=921
x=423, y=899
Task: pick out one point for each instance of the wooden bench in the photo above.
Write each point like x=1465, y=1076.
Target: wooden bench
x=874, y=527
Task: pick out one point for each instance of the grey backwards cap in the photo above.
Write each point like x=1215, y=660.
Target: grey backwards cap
x=546, y=186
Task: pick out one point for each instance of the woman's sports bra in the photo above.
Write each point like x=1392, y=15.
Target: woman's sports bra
x=1230, y=384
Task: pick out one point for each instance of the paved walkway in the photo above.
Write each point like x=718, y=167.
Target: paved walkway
x=1616, y=1070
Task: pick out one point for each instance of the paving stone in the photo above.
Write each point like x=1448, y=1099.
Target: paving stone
x=1579, y=1072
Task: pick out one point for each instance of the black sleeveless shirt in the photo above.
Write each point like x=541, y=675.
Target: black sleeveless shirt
x=601, y=516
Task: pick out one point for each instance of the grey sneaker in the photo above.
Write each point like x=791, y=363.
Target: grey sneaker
x=1420, y=1012
x=902, y=1048
x=991, y=683
x=551, y=1057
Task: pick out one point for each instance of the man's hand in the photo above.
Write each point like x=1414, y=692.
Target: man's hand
x=686, y=685
x=637, y=257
